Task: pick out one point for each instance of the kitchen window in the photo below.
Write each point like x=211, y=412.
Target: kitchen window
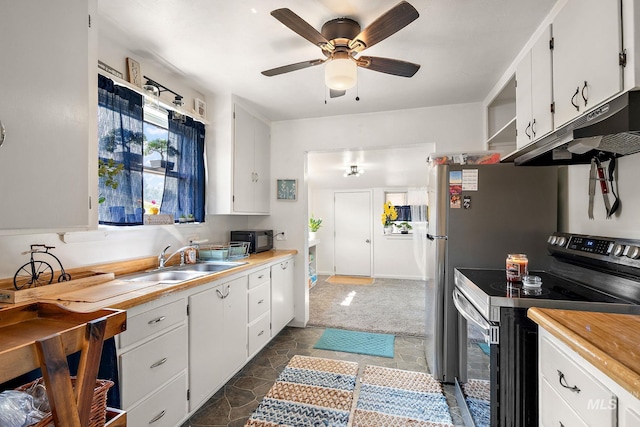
x=150, y=160
x=400, y=201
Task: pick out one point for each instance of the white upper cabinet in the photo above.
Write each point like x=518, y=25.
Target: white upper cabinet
x=49, y=111
x=587, y=45
x=251, y=163
x=533, y=92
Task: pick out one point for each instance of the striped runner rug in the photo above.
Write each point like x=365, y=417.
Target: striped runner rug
x=310, y=391
x=395, y=398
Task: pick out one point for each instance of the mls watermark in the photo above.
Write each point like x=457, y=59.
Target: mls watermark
x=602, y=404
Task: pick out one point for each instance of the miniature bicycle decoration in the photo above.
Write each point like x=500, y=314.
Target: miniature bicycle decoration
x=37, y=272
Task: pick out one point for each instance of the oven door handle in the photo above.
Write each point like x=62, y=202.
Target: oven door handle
x=469, y=312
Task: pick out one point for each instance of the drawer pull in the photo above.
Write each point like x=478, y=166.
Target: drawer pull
x=261, y=332
x=563, y=382
x=157, y=417
x=261, y=276
x=157, y=320
x=159, y=362
x=261, y=301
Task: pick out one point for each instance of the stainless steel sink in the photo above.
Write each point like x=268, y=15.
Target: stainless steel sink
x=212, y=267
x=172, y=276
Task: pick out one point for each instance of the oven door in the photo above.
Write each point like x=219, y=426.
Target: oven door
x=478, y=362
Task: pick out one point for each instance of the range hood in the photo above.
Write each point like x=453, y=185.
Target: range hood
x=611, y=130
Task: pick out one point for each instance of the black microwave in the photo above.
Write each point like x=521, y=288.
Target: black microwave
x=259, y=240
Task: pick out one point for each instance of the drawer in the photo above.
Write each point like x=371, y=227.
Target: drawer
x=165, y=408
x=153, y=321
x=259, y=333
x=259, y=301
x=555, y=411
x=592, y=402
x=259, y=277
x=144, y=369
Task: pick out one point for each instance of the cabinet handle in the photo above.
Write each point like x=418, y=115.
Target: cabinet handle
x=533, y=128
x=526, y=131
x=261, y=301
x=585, y=87
x=575, y=95
x=261, y=332
x=225, y=295
x=563, y=382
x=157, y=320
x=159, y=362
x=257, y=177
x=157, y=417
x=261, y=276
x=3, y=134
x=284, y=265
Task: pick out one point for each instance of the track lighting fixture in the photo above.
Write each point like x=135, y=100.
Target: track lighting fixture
x=155, y=89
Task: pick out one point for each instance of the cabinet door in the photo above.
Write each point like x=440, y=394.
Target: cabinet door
x=44, y=81
x=262, y=163
x=587, y=42
x=235, y=324
x=206, y=345
x=541, y=86
x=523, y=102
x=282, y=308
x=243, y=167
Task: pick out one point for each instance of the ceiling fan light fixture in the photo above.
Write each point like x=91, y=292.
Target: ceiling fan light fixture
x=340, y=74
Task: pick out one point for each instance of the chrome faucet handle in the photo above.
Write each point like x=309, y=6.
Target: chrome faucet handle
x=161, y=257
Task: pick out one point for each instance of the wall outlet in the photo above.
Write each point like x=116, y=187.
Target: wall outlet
x=281, y=235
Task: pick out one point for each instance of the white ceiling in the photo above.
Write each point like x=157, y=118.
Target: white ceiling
x=221, y=46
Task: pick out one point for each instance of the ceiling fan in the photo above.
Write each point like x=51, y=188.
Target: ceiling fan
x=341, y=41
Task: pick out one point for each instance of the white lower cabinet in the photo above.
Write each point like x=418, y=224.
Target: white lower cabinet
x=152, y=359
x=165, y=408
x=217, y=337
x=573, y=392
x=282, y=308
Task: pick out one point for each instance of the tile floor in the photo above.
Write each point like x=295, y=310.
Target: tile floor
x=235, y=402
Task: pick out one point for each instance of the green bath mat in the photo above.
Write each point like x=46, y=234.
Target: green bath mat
x=357, y=342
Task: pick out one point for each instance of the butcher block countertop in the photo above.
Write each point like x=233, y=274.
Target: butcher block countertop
x=121, y=294
x=610, y=342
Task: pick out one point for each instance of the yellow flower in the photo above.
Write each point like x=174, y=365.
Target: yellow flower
x=389, y=214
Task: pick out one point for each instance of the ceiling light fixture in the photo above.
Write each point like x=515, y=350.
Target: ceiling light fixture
x=155, y=89
x=340, y=73
x=353, y=171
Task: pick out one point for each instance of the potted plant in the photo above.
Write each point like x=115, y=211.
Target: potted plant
x=389, y=214
x=108, y=169
x=186, y=218
x=162, y=147
x=314, y=226
x=404, y=227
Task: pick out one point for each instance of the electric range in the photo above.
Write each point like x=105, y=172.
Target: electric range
x=587, y=273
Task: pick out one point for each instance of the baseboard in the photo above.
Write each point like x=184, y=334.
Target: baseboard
x=385, y=276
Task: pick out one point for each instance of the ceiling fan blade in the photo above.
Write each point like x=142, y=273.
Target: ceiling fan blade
x=387, y=24
x=336, y=93
x=388, y=66
x=300, y=26
x=292, y=67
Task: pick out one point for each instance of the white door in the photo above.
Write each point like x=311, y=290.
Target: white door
x=352, y=213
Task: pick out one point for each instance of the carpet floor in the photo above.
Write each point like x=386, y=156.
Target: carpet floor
x=391, y=306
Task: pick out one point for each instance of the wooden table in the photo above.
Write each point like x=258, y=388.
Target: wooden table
x=41, y=335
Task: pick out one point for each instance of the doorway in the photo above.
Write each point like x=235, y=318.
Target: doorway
x=352, y=227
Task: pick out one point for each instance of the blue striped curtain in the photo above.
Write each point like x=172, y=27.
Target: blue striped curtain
x=120, y=142
x=184, y=190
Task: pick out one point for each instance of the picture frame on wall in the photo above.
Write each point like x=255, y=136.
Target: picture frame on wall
x=287, y=189
x=135, y=77
x=201, y=108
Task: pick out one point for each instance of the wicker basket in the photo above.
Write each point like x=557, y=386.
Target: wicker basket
x=98, y=415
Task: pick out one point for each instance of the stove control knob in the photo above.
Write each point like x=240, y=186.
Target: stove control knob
x=633, y=252
x=552, y=240
x=561, y=241
x=618, y=249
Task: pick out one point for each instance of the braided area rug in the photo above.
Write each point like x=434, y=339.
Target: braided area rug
x=394, y=398
x=310, y=391
x=477, y=395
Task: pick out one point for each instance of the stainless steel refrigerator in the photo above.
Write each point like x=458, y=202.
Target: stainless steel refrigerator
x=477, y=215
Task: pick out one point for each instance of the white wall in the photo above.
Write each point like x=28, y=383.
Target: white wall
x=452, y=128
x=625, y=223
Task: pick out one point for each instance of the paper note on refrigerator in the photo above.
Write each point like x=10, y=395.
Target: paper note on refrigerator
x=470, y=180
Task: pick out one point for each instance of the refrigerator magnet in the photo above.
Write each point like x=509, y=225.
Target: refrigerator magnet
x=466, y=202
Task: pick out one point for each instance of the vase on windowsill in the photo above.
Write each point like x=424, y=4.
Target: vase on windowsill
x=388, y=229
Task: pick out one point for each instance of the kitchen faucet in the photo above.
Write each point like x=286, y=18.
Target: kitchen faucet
x=162, y=258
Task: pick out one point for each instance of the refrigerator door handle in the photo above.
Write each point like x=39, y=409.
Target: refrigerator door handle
x=432, y=237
